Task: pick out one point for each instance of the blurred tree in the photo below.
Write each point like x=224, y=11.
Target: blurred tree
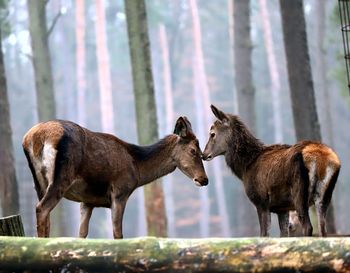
x=245, y=94
x=322, y=83
x=8, y=182
x=41, y=59
x=204, y=122
x=300, y=77
x=274, y=72
x=80, y=59
x=46, y=104
x=104, y=76
x=170, y=119
x=145, y=107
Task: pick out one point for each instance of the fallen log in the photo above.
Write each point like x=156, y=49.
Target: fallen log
x=149, y=254
x=11, y=226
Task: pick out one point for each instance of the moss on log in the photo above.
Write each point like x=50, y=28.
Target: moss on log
x=11, y=226
x=149, y=254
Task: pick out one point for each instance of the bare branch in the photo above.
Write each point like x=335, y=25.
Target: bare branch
x=54, y=22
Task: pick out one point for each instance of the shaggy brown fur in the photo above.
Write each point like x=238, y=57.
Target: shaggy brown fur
x=276, y=178
x=101, y=170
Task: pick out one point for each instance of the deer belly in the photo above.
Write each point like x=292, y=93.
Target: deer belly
x=281, y=203
x=95, y=194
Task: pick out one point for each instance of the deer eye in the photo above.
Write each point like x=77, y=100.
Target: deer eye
x=212, y=135
x=193, y=151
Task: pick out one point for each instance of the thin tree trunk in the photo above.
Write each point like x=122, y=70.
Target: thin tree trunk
x=145, y=107
x=300, y=77
x=204, y=99
x=243, y=63
x=299, y=71
x=168, y=90
x=231, y=35
x=246, y=97
x=8, y=182
x=274, y=73
x=104, y=78
x=323, y=89
x=41, y=60
x=46, y=104
x=80, y=59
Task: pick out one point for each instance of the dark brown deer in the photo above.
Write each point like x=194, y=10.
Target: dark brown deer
x=101, y=170
x=276, y=178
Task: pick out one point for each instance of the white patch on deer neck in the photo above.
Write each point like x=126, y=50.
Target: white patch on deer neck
x=48, y=160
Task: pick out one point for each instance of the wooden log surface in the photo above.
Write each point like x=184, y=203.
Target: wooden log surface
x=150, y=254
x=11, y=226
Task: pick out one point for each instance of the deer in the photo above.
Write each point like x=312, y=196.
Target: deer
x=100, y=170
x=277, y=178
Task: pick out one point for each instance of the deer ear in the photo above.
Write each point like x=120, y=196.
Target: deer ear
x=219, y=114
x=182, y=127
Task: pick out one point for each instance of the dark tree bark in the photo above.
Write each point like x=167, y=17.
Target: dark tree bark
x=176, y=255
x=299, y=71
x=8, y=182
x=41, y=59
x=323, y=91
x=11, y=226
x=147, y=127
x=243, y=63
x=302, y=93
x=245, y=96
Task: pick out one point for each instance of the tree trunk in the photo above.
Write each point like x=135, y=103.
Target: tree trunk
x=149, y=254
x=170, y=121
x=204, y=120
x=245, y=96
x=299, y=71
x=322, y=87
x=11, y=226
x=300, y=77
x=274, y=73
x=145, y=107
x=80, y=59
x=104, y=78
x=8, y=182
x=41, y=60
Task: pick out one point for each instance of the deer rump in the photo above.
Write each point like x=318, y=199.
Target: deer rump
x=285, y=176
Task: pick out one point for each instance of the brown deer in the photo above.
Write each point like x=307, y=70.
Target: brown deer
x=101, y=170
x=277, y=178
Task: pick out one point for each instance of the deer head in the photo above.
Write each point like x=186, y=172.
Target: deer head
x=187, y=153
x=219, y=132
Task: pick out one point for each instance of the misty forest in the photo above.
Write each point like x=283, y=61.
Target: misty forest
x=77, y=61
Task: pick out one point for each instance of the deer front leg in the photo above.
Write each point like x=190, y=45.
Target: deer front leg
x=85, y=215
x=118, y=207
x=264, y=221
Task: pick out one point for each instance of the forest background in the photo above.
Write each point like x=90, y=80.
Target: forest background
x=194, y=57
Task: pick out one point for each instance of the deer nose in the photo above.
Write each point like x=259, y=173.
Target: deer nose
x=207, y=157
x=201, y=181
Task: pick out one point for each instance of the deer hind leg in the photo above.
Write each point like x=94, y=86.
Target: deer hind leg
x=85, y=215
x=302, y=207
x=52, y=196
x=283, y=221
x=322, y=198
x=264, y=221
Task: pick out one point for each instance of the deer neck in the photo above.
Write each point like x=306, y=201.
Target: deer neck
x=155, y=161
x=243, y=150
